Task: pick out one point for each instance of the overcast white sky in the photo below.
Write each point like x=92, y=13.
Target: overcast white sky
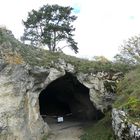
x=101, y=26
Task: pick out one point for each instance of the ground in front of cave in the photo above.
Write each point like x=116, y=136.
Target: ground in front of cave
x=70, y=129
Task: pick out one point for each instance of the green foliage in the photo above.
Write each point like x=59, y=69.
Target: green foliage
x=130, y=51
x=123, y=67
x=40, y=57
x=133, y=106
x=50, y=25
x=7, y=37
x=44, y=137
x=128, y=91
x=101, y=130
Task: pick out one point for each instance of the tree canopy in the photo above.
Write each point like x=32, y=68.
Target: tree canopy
x=50, y=25
x=130, y=51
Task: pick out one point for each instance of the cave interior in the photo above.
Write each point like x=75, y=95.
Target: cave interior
x=66, y=96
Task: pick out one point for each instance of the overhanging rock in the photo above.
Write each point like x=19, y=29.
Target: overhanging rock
x=20, y=88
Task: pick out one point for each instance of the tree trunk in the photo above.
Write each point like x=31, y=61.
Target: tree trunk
x=54, y=42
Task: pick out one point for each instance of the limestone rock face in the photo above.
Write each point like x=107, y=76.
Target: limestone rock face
x=101, y=96
x=124, y=130
x=25, y=71
x=19, y=90
x=20, y=86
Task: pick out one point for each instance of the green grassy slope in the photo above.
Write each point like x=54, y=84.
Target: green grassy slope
x=129, y=95
x=16, y=52
x=101, y=130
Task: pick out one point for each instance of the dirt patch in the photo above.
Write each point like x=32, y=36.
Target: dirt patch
x=70, y=129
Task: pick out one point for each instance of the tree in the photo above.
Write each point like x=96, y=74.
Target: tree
x=130, y=51
x=50, y=25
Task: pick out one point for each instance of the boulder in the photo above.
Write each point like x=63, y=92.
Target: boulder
x=123, y=128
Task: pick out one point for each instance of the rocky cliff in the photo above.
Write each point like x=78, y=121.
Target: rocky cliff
x=126, y=112
x=124, y=128
x=26, y=71
x=20, y=88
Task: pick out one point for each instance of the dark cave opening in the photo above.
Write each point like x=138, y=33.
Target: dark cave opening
x=66, y=95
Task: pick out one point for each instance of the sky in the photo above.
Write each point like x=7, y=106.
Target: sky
x=101, y=26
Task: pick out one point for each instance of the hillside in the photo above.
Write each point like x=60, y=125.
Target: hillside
x=129, y=95
x=28, y=73
x=13, y=51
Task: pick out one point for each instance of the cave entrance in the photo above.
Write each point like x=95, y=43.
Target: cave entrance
x=66, y=96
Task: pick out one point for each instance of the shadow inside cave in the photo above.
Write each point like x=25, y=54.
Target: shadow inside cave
x=68, y=98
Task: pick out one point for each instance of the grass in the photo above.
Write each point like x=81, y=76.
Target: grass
x=44, y=137
x=101, y=130
x=15, y=50
x=128, y=91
